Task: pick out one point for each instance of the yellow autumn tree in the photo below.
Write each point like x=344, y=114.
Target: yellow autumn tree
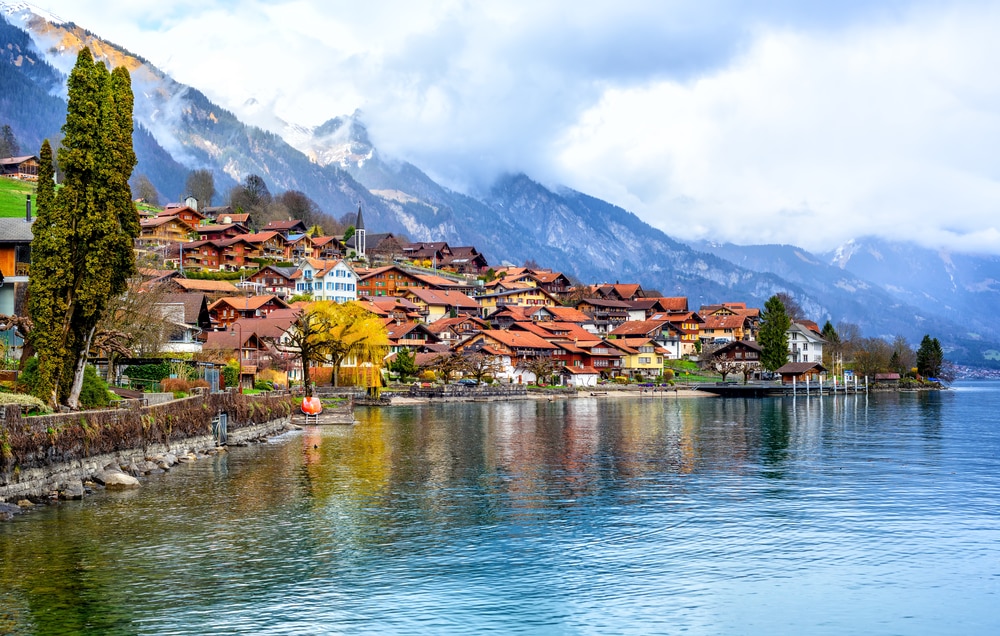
x=337, y=333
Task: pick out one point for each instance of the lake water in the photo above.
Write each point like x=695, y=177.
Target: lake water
x=850, y=515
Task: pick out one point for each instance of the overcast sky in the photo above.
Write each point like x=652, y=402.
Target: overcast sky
x=796, y=122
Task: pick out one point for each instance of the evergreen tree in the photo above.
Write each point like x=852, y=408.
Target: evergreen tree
x=8, y=142
x=829, y=333
x=930, y=357
x=404, y=364
x=51, y=254
x=83, y=245
x=773, y=334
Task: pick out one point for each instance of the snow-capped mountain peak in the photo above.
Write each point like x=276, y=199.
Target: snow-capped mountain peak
x=25, y=10
x=341, y=141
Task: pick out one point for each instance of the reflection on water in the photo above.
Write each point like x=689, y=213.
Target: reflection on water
x=650, y=515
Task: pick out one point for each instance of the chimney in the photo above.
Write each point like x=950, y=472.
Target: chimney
x=27, y=208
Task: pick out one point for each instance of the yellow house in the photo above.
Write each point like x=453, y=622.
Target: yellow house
x=522, y=297
x=724, y=327
x=436, y=304
x=642, y=356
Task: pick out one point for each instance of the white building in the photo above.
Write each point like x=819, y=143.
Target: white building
x=804, y=344
x=327, y=280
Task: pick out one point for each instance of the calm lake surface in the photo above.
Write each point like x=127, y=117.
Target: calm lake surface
x=851, y=515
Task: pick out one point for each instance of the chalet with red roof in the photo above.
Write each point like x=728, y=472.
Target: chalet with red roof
x=688, y=325
x=435, y=252
x=725, y=328
x=229, y=309
x=161, y=230
x=458, y=329
x=216, y=232
x=605, y=314
x=298, y=246
x=465, y=260
x=188, y=215
x=413, y=336
x=391, y=280
x=270, y=245
x=276, y=280
x=521, y=297
x=515, y=348
x=435, y=304
x=327, y=248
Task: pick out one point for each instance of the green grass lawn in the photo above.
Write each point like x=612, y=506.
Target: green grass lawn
x=12, y=194
x=143, y=207
x=688, y=371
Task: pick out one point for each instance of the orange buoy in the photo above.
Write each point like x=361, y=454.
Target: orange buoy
x=312, y=406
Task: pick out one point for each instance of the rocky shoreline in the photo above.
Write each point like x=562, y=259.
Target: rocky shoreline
x=123, y=470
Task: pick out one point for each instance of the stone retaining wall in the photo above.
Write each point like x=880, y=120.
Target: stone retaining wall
x=42, y=482
x=37, y=453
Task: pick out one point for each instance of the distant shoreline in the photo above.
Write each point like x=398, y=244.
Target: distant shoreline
x=601, y=392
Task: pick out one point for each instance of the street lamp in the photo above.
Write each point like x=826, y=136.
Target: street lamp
x=239, y=353
x=239, y=333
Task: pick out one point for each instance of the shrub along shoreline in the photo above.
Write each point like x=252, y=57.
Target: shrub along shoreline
x=50, y=454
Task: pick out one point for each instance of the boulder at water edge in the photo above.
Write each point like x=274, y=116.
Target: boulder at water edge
x=116, y=480
x=7, y=511
x=72, y=490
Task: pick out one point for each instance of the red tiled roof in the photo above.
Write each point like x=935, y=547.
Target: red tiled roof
x=569, y=314
x=713, y=321
x=193, y=284
x=247, y=302
x=443, y=298
x=518, y=339
x=640, y=327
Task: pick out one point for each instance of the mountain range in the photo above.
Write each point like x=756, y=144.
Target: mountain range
x=886, y=288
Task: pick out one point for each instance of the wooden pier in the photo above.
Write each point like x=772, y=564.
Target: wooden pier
x=760, y=390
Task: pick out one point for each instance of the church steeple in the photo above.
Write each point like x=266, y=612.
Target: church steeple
x=359, y=224
x=359, y=234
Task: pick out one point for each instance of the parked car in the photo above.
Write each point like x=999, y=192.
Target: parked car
x=467, y=382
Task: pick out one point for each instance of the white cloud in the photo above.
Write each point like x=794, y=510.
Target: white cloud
x=781, y=122
x=811, y=139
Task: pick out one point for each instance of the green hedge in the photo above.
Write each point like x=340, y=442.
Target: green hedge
x=151, y=372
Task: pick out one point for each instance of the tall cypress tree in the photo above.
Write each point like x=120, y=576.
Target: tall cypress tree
x=51, y=256
x=89, y=228
x=773, y=334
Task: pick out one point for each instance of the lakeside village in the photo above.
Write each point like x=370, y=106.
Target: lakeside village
x=183, y=316
x=220, y=304
x=189, y=356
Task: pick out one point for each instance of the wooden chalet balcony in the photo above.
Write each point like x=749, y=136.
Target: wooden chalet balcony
x=252, y=356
